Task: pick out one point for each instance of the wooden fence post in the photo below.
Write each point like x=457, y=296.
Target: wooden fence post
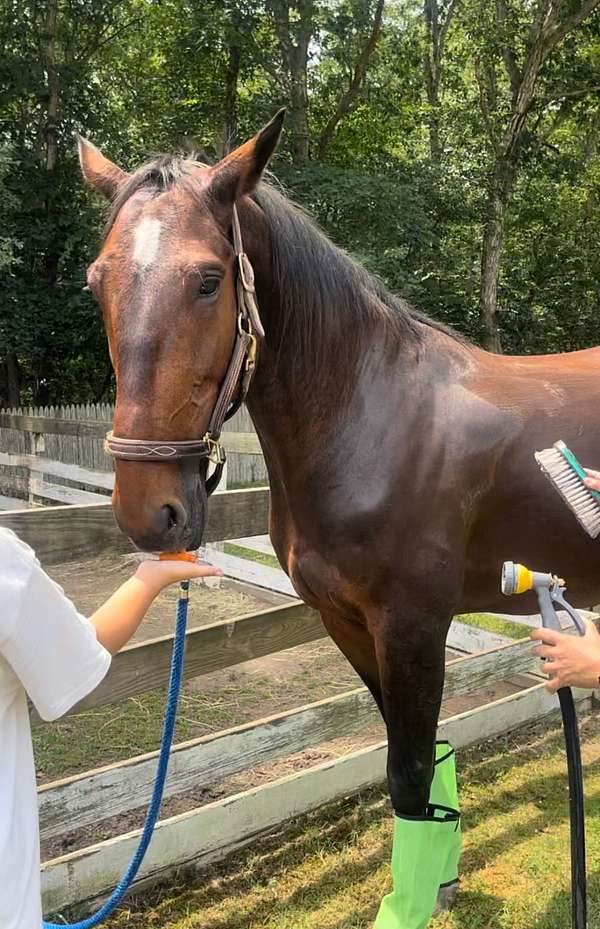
x=37, y=447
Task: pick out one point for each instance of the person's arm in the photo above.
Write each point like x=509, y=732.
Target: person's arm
x=571, y=660
x=117, y=619
x=57, y=654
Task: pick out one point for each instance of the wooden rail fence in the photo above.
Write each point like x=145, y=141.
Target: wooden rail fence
x=56, y=455
x=209, y=832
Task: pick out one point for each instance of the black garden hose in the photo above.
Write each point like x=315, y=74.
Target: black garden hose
x=576, y=809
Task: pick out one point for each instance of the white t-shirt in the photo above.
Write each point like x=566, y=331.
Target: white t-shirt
x=49, y=652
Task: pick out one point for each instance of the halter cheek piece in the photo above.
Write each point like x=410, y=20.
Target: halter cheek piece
x=233, y=390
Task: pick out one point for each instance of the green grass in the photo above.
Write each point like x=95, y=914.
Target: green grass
x=250, y=555
x=329, y=870
x=494, y=624
x=132, y=727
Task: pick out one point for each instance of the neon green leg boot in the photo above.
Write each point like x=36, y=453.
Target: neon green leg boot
x=425, y=853
x=444, y=792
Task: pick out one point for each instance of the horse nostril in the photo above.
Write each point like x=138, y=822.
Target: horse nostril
x=173, y=516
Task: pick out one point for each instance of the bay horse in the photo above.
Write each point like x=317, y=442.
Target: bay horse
x=400, y=457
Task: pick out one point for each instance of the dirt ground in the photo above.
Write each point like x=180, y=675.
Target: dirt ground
x=89, y=583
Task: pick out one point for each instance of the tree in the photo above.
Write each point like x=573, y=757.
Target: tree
x=437, y=17
x=356, y=81
x=545, y=32
x=295, y=27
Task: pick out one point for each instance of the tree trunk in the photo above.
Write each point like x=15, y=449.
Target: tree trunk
x=54, y=248
x=432, y=80
x=493, y=236
x=231, y=91
x=13, y=379
x=234, y=60
x=501, y=188
x=53, y=92
x=437, y=24
x=591, y=153
x=359, y=74
x=547, y=32
x=294, y=35
x=298, y=121
x=299, y=83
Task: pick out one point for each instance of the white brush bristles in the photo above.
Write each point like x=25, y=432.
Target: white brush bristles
x=571, y=488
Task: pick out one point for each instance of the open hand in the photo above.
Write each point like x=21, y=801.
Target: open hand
x=159, y=574
x=571, y=660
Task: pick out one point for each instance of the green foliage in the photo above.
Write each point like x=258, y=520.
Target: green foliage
x=139, y=76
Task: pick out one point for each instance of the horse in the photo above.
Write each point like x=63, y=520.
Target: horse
x=400, y=456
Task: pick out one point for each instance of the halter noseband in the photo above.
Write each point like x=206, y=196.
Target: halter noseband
x=234, y=388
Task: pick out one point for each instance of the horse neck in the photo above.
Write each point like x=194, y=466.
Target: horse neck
x=289, y=401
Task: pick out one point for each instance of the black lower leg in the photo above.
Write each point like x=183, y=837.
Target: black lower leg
x=412, y=679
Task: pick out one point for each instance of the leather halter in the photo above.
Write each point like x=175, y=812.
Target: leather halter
x=233, y=390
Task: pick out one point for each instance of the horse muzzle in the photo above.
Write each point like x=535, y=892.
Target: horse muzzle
x=161, y=507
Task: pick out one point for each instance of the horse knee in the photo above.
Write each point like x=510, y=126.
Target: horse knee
x=409, y=788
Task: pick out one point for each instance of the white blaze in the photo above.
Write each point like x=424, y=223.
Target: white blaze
x=146, y=239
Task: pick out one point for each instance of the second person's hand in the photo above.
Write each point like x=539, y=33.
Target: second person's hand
x=570, y=660
x=593, y=479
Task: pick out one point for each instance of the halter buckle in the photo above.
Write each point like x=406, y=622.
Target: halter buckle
x=251, y=351
x=216, y=452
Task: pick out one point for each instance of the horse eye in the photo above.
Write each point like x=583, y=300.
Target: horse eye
x=209, y=286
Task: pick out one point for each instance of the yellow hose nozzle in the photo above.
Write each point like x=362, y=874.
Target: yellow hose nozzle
x=524, y=578
x=516, y=578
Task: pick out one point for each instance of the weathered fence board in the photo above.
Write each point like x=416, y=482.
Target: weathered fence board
x=85, y=798
x=71, y=496
x=68, y=472
x=259, y=543
x=144, y=667
x=252, y=572
x=139, y=668
x=240, y=443
x=64, y=533
x=118, y=788
x=47, y=424
x=211, y=832
x=75, y=435
x=471, y=639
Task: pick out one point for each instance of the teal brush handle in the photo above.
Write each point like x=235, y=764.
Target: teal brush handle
x=572, y=461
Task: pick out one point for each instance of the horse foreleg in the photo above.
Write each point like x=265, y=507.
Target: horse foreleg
x=410, y=650
x=355, y=641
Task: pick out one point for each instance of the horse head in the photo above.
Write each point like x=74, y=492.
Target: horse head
x=165, y=279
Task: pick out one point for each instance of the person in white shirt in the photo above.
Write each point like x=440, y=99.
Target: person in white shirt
x=54, y=656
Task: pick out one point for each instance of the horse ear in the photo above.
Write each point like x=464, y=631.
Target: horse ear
x=98, y=170
x=240, y=171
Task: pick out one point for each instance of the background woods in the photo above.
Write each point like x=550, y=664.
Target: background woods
x=450, y=145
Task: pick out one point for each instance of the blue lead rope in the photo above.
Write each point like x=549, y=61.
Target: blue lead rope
x=161, y=774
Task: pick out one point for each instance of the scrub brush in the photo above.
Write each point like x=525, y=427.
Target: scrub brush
x=561, y=467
